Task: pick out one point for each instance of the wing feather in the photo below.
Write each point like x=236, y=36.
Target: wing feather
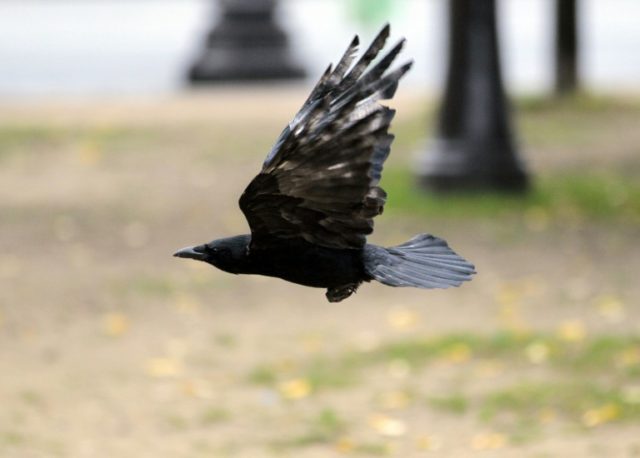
x=320, y=181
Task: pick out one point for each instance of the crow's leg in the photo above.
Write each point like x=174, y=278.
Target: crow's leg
x=340, y=293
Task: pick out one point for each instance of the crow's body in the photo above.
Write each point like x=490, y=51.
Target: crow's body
x=313, y=203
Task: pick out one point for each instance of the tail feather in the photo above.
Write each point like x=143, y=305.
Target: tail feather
x=424, y=261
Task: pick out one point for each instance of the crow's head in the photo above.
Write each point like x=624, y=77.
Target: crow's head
x=229, y=254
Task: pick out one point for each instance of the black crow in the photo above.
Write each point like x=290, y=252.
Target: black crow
x=312, y=205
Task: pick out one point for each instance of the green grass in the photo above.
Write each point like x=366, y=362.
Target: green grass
x=556, y=198
x=598, y=357
x=582, y=384
x=214, y=415
x=325, y=427
x=581, y=402
x=453, y=403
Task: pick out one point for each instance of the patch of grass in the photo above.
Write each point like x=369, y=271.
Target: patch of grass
x=579, y=401
x=592, y=196
x=32, y=398
x=581, y=102
x=371, y=449
x=214, y=415
x=21, y=137
x=322, y=374
x=324, y=428
x=46, y=138
x=146, y=285
x=599, y=356
x=454, y=403
x=177, y=422
x=263, y=375
x=12, y=438
x=604, y=354
x=225, y=340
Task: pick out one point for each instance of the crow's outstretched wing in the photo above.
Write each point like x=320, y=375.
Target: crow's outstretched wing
x=320, y=181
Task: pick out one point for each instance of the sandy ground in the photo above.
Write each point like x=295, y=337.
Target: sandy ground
x=109, y=347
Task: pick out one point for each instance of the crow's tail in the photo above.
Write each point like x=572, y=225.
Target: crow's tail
x=424, y=261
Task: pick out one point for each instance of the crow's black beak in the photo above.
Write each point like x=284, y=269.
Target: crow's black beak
x=192, y=252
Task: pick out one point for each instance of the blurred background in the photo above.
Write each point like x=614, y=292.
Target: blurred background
x=130, y=129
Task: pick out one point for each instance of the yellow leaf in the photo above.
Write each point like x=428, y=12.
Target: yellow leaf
x=611, y=308
x=508, y=296
x=488, y=441
x=387, y=426
x=394, y=400
x=429, y=443
x=89, y=153
x=629, y=357
x=345, y=445
x=489, y=368
x=600, y=415
x=115, y=324
x=537, y=352
x=546, y=415
x=163, y=367
x=187, y=304
x=572, y=331
x=197, y=388
x=536, y=219
x=312, y=343
x=458, y=353
x=402, y=318
x=298, y=388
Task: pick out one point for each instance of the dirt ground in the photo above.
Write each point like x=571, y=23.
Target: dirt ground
x=110, y=347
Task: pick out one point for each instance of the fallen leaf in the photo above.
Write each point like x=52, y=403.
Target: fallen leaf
x=488, y=441
x=611, y=308
x=115, y=324
x=89, y=153
x=344, y=445
x=429, y=443
x=572, y=331
x=298, y=388
x=394, y=400
x=629, y=357
x=387, y=426
x=546, y=415
x=458, y=353
x=402, y=318
x=537, y=352
x=163, y=367
x=600, y=415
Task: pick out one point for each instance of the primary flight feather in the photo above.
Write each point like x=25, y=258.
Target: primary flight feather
x=312, y=205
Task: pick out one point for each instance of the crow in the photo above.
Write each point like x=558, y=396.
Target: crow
x=312, y=205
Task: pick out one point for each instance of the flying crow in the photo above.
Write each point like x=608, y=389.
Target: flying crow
x=312, y=205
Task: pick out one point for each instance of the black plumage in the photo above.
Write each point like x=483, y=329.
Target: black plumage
x=312, y=205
